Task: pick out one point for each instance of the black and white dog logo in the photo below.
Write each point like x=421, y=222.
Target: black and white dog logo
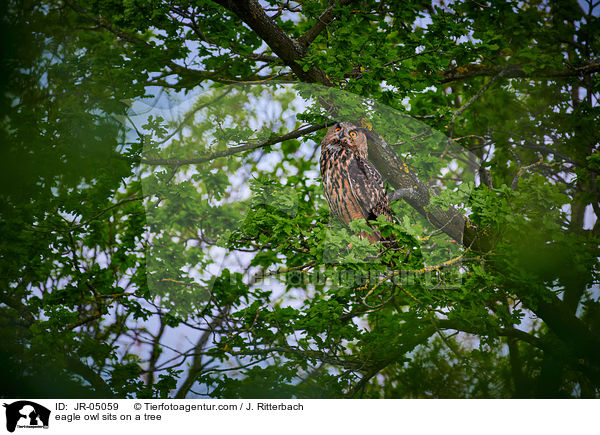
x=26, y=414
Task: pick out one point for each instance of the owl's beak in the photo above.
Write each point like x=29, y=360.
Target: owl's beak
x=341, y=136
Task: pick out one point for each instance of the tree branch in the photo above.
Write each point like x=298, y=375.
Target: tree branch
x=416, y=193
x=321, y=356
x=322, y=22
x=155, y=353
x=474, y=98
x=515, y=71
x=196, y=366
x=233, y=150
x=404, y=194
x=186, y=73
x=96, y=381
x=288, y=50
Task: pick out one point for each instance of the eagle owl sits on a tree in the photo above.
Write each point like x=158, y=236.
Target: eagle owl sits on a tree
x=353, y=187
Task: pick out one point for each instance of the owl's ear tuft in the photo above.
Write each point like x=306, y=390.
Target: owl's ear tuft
x=368, y=133
x=366, y=124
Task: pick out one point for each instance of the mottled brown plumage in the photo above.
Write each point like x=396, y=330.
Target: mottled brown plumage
x=353, y=187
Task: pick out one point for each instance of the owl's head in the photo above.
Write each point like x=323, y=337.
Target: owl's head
x=347, y=135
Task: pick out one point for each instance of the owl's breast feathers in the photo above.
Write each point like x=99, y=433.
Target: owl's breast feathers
x=353, y=188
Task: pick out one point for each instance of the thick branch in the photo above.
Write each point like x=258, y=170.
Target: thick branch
x=289, y=50
x=322, y=22
x=574, y=332
x=416, y=193
x=95, y=380
x=516, y=368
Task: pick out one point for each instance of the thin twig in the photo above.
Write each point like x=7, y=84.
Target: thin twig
x=233, y=150
x=474, y=98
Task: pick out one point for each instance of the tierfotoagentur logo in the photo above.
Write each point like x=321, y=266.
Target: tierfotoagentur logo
x=26, y=415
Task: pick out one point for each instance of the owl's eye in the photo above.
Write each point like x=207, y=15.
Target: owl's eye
x=337, y=129
x=353, y=134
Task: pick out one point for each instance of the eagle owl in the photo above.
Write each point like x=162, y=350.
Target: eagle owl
x=353, y=188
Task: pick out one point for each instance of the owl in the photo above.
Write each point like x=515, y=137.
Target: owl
x=353, y=188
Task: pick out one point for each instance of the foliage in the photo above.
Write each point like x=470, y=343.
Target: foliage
x=151, y=190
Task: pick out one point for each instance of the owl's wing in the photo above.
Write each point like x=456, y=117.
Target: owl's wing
x=367, y=187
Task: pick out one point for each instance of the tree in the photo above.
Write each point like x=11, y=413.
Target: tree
x=143, y=139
